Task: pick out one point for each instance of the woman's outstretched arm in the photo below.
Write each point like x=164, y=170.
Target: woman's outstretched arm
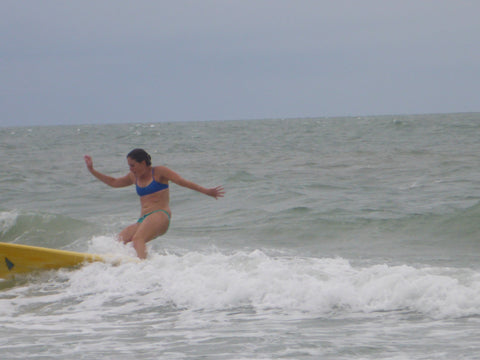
x=170, y=175
x=109, y=180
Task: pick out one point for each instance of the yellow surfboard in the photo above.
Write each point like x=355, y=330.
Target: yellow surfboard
x=18, y=259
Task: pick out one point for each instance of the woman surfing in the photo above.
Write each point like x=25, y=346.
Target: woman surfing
x=152, y=186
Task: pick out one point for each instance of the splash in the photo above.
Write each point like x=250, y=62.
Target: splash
x=219, y=281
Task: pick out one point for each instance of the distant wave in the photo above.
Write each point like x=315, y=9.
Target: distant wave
x=462, y=224
x=37, y=229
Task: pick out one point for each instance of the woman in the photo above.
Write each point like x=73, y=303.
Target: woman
x=152, y=187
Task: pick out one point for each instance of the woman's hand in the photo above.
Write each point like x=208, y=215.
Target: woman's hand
x=88, y=162
x=216, y=192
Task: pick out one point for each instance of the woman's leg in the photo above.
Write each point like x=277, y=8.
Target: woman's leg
x=126, y=234
x=153, y=225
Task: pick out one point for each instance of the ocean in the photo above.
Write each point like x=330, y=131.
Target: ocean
x=338, y=238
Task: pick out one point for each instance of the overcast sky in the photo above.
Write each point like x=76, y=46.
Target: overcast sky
x=117, y=61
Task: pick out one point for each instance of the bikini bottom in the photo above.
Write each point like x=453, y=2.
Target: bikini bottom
x=139, y=221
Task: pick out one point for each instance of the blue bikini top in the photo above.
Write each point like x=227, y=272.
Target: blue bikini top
x=151, y=188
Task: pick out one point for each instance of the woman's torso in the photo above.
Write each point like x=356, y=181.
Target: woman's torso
x=157, y=200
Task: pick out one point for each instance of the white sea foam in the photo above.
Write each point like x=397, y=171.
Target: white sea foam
x=7, y=220
x=218, y=281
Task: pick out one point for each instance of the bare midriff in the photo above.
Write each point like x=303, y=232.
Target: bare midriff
x=156, y=201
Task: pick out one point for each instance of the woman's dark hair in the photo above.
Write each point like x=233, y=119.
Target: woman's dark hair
x=140, y=155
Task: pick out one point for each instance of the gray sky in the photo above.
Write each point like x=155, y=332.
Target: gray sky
x=116, y=61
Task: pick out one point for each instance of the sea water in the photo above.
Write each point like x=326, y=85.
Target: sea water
x=338, y=238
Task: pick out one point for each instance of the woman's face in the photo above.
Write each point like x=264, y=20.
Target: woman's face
x=137, y=168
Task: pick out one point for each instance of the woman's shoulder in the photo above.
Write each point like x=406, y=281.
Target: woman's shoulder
x=160, y=169
x=161, y=172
